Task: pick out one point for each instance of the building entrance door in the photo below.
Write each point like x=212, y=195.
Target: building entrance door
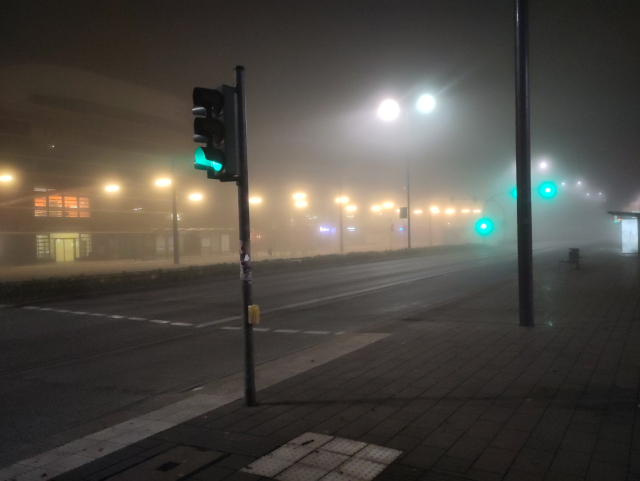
x=65, y=249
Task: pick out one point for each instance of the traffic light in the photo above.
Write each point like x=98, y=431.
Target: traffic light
x=484, y=226
x=215, y=125
x=547, y=190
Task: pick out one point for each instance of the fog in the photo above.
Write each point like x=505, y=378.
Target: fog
x=95, y=94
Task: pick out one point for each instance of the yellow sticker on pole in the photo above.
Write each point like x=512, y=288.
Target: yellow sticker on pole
x=254, y=314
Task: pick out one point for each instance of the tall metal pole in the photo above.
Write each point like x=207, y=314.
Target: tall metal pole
x=341, y=229
x=406, y=120
x=174, y=200
x=523, y=164
x=245, y=242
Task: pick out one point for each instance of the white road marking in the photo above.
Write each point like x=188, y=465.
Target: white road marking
x=226, y=319
x=316, y=332
x=79, y=312
x=46, y=309
x=137, y=318
x=286, y=330
x=30, y=307
x=97, y=314
x=261, y=329
x=62, y=310
x=117, y=317
x=181, y=324
x=338, y=333
x=231, y=328
x=158, y=321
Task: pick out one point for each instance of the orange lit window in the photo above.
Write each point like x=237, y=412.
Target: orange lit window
x=71, y=213
x=55, y=213
x=85, y=213
x=55, y=201
x=41, y=213
x=83, y=202
x=40, y=202
x=71, y=203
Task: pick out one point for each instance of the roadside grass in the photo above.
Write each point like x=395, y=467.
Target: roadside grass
x=80, y=286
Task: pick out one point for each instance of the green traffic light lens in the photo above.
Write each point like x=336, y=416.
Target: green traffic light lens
x=484, y=226
x=202, y=163
x=514, y=192
x=547, y=190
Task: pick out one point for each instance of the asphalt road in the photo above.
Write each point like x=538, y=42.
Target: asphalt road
x=67, y=364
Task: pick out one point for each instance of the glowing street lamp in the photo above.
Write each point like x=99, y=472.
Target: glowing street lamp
x=299, y=196
x=163, y=182
x=543, y=165
x=195, y=197
x=300, y=204
x=389, y=110
x=418, y=211
x=376, y=208
x=342, y=200
x=112, y=188
x=255, y=200
x=426, y=103
x=350, y=208
x=6, y=178
x=387, y=205
x=435, y=210
x=450, y=211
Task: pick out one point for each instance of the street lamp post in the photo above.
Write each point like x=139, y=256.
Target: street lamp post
x=390, y=110
x=174, y=202
x=341, y=201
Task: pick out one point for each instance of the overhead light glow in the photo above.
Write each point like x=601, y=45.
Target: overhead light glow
x=417, y=211
x=299, y=196
x=350, y=208
x=351, y=229
x=255, y=200
x=435, y=210
x=387, y=205
x=376, y=208
x=324, y=229
x=195, y=197
x=563, y=183
x=543, y=165
x=547, y=190
x=426, y=103
x=112, y=188
x=301, y=203
x=342, y=200
x=449, y=211
x=5, y=178
x=163, y=182
x=465, y=211
x=475, y=211
x=389, y=110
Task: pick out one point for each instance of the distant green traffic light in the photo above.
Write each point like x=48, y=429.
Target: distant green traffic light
x=202, y=160
x=484, y=226
x=547, y=190
x=514, y=192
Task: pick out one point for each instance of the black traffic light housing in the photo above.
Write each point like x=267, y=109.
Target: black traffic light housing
x=216, y=126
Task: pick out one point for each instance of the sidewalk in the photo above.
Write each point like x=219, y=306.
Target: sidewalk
x=456, y=392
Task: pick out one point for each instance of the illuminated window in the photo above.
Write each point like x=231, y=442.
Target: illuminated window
x=71, y=213
x=83, y=202
x=55, y=201
x=40, y=213
x=85, y=213
x=70, y=203
x=55, y=213
x=42, y=245
x=40, y=202
x=85, y=244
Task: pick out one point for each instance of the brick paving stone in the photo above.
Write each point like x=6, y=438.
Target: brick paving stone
x=468, y=447
x=510, y=439
x=600, y=471
x=584, y=442
x=423, y=456
x=571, y=462
x=533, y=461
x=495, y=460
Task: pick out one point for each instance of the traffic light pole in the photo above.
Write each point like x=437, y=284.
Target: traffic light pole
x=341, y=228
x=174, y=201
x=523, y=164
x=245, y=242
x=408, y=134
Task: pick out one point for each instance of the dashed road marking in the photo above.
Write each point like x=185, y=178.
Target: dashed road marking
x=181, y=324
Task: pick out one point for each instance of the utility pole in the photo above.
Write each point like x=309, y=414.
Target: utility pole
x=341, y=228
x=523, y=164
x=245, y=241
x=408, y=137
x=174, y=201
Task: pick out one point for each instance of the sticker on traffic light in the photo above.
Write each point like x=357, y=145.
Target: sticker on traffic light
x=484, y=226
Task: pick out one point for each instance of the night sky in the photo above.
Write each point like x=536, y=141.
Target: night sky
x=316, y=72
